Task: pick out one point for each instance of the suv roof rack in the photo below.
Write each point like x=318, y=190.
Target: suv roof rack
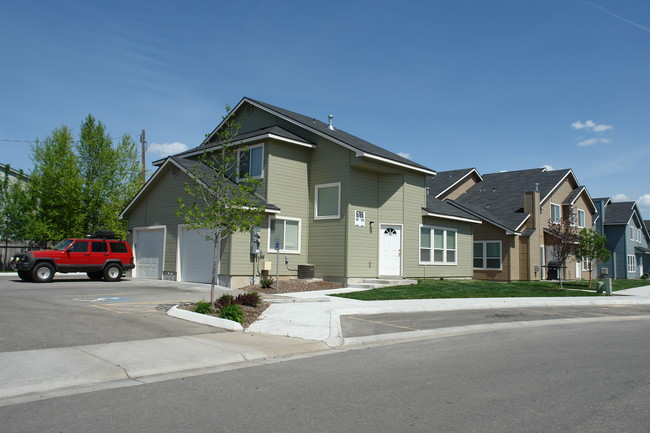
x=104, y=235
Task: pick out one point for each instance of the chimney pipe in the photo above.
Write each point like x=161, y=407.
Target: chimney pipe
x=330, y=117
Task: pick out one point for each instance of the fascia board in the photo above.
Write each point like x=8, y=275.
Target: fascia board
x=449, y=217
x=460, y=180
x=523, y=222
x=557, y=185
x=389, y=161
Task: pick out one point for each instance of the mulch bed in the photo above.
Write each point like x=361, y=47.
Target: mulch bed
x=252, y=313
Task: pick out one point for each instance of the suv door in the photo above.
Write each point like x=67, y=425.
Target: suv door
x=75, y=258
x=98, y=255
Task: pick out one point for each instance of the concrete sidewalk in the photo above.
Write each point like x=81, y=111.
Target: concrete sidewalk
x=294, y=324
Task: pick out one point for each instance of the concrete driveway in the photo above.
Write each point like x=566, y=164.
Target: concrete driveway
x=72, y=310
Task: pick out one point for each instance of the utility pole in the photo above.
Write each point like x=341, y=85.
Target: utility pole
x=143, y=140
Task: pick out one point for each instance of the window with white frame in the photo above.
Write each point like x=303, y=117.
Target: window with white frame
x=586, y=264
x=487, y=255
x=638, y=235
x=286, y=233
x=631, y=263
x=437, y=245
x=250, y=161
x=632, y=234
x=581, y=218
x=327, y=203
x=556, y=213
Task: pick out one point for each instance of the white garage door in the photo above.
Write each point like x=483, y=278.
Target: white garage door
x=195, y=256
x=149, y=252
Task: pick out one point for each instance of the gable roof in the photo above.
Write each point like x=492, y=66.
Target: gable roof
x=362, y=148
x=188, y=167
x=619, y=213
x=445, y=180
x=442, y=209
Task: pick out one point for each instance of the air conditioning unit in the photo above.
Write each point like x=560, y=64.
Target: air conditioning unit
x=604, y=271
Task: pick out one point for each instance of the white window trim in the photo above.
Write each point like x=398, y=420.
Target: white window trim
x=248, y=149
x=560, y=213
x=584, y=218
x=444, y=248
x=631, y=264
x=271, y=242
x=328, y=217
x=484, y=242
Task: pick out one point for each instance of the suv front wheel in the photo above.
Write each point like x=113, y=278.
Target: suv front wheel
x=113, y=272
x=42, y=273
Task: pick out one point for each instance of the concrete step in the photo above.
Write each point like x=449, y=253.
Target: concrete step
x=385, y=282
x=363, y=286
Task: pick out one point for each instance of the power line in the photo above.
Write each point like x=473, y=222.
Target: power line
x=19, y=141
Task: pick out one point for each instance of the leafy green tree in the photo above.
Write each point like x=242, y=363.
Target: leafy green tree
x=56, y=186
x=592, y=250
x=15, y=209
x=218, y=203
x=563, y=240
x=110, y=176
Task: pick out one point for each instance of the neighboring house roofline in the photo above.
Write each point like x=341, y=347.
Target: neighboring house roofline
x=358, y=152
x=18, y=174
x=482, y=217
x=171, y=160
x=473, y=170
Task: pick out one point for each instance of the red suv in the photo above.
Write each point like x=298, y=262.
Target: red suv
x=102, y=255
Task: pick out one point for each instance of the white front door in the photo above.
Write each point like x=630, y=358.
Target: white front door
x=578, y=269
x=390, y=249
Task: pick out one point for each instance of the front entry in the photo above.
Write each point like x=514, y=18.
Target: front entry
x=390, y=249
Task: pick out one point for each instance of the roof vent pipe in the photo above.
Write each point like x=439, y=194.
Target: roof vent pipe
x=330, y=117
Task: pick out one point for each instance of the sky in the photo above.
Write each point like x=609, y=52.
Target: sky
x=498, y=85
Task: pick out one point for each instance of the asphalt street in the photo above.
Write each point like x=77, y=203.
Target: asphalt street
x=379, y=324
x=569, y=378
x=72, y=310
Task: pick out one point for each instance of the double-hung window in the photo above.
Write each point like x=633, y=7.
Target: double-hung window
x=632, y=235
x=437, y=245
x=556, y=213
x=327, y=203
x=581, y=218
x=250, y=161
x=487, y=255
x=285, y=233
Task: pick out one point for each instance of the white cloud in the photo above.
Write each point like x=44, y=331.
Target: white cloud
x=164, y=149
x=644, y=200
x=548, y=167
x=591, y=141
x=621, y=197
x=591, y=126
x=404, y=155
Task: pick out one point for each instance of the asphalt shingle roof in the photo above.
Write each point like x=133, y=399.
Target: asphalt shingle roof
x=500, y=196
x=444, y=179
x=437, y=206
x=619, y=212
x=340, y=135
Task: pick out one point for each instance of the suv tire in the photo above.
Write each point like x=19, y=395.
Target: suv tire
x=112, y=272
x=95, y=276
x=42, y=272
x=25, y=275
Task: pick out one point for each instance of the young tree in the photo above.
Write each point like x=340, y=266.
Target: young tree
x=563, y=241
x=110, y=176
x=220, y=202
x=56, y=185
x=591, y=250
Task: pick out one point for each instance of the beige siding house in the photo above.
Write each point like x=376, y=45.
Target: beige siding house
x=516, y=208
x=351, y=209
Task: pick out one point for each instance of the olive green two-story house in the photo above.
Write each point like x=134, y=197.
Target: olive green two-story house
x=347, y=207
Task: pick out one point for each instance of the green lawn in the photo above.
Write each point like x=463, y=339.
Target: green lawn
x=443, y=289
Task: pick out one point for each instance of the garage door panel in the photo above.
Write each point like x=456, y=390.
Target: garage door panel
x=196, y=256
x=149, y=252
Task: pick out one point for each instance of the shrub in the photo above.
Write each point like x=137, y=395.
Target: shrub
x=644, y=276
x=232, y=312
x=203, y=307
x=266, y=283
x=224, y=301
x=251, y=299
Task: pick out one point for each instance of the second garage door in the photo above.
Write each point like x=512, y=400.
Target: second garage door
x=195, y=256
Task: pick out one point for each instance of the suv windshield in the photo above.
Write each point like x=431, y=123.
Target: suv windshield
x=63, y=245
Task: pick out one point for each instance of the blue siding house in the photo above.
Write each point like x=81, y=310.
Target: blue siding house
x=627, y=239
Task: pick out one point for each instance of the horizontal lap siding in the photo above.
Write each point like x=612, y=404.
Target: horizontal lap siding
x=329, y=163
x=363, y=242
x=489, y=232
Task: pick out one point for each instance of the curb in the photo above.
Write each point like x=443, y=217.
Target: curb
x=204, y=319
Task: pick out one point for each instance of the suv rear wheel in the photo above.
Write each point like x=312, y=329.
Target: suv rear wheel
x=42, y=272
x=112, y=272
